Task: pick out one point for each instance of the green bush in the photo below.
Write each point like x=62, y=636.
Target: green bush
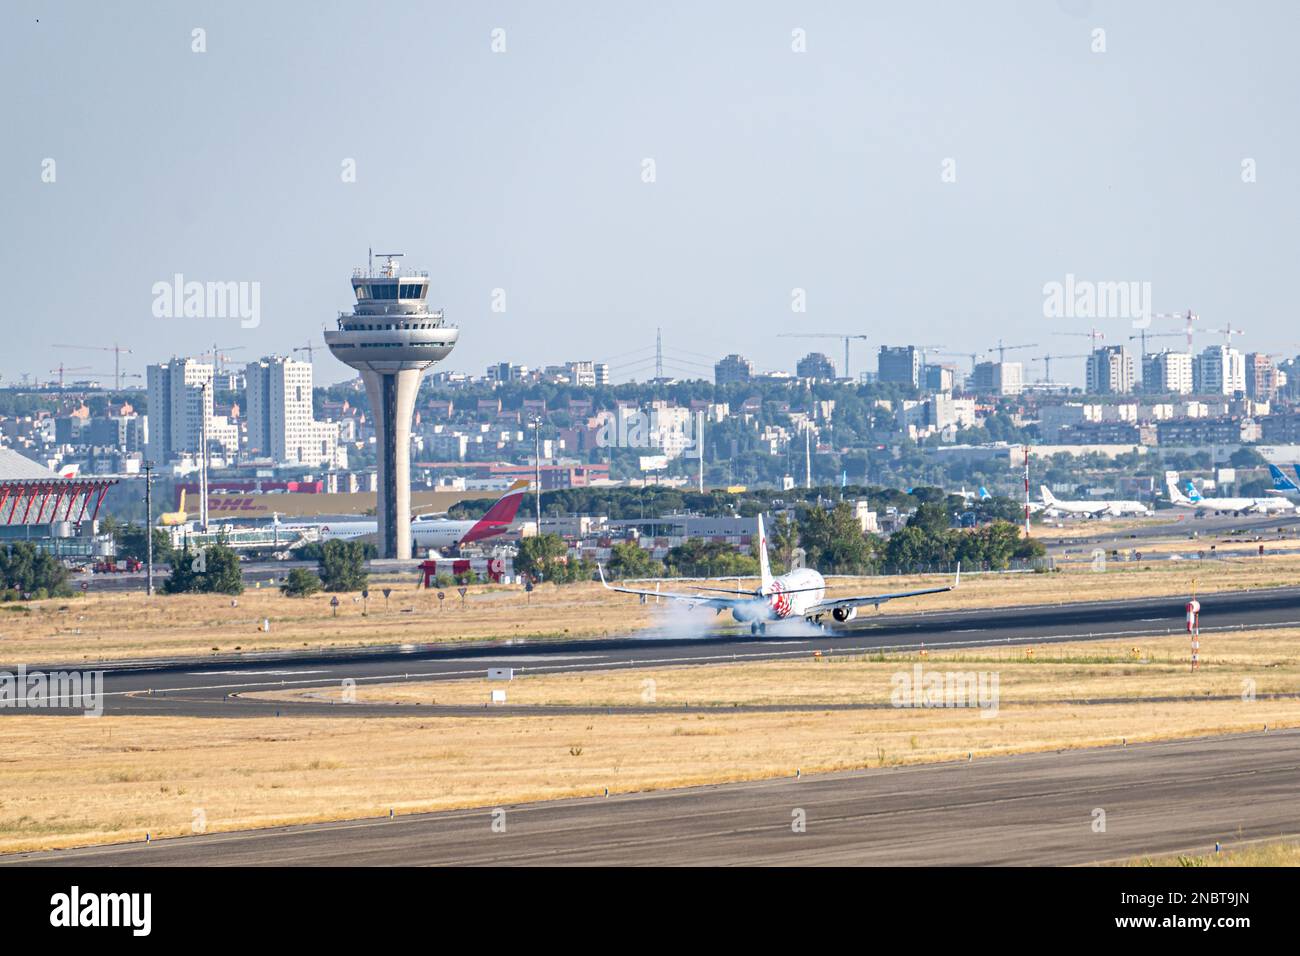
x=210, y=570
x=300, y=583
x=343, y=566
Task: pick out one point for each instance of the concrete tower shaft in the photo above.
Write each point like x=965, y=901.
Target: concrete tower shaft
x=392, y=339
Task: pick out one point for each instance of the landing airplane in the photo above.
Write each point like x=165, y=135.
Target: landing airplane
x=430, y=532
x=1238, y=506
x=1090, y=509
x=801, y=593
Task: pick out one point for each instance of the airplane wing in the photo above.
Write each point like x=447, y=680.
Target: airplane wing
x=695, y=600
x=861, y=600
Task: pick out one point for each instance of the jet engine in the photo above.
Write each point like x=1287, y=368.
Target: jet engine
x=842, y=614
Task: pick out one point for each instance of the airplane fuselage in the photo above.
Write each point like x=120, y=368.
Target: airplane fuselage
x=790, y=596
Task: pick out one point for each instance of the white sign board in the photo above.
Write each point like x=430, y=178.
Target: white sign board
x=501, y=673
x=498, y=697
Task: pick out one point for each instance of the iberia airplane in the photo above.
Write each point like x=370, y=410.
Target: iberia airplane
x=799, y=594
x=430, y=531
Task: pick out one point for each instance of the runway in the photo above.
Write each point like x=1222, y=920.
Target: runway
x=1073, y=807
x=213, y=687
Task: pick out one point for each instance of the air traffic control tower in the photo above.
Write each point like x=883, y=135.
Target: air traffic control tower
x=392, y=339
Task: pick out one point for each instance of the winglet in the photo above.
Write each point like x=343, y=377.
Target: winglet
x=601, y=569
x=957, y=580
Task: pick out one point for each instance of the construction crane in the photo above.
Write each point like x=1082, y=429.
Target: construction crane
x=973, y=356
x=1227, y=333
x=1002, y=350
x=309, y=349
x=61, y=369
x=1048, y=359
x=827, y=335
x=117, y=350
x=1144, y=335
x=219, y=353
x=1047, y=363
x=1187, y=318
x=1096, y=335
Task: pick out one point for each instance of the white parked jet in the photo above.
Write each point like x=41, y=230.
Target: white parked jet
x=430, y=532
x=1240, y=506
x=799, y=594
x=1090, y=509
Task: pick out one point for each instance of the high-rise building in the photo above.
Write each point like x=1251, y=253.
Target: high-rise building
x=1110, y=371
x=602, y=373
x=733, y=368
x=392, y=339
x=281, y=424
x=180, y=399
x=1167, y=373
x=582, y=374
x=1263, y=380
x=1219, y=370
x=998, y=378
x=899, y=365
x=815, y=365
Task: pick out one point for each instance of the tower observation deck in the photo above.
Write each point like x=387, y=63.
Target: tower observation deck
x=392, y=338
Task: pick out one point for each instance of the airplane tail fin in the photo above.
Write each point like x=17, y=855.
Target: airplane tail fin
x=1171, y=484
x=1280, y=481
x=764, y=562
x=1048, y=497
x=500, y=516
x=984, y=494
x=1192, y=494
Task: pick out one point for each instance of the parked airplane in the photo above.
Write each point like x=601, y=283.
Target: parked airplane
x=1090, y=509
x=430, y=532
x=177, y=517
x=1239, y=506
x=801, y=593
x=1282, y=485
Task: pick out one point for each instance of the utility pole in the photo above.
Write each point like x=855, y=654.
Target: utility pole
x=203, y=456
x=537, y=467
x=148, y=528
x=699, y=444
x=1026, y=490
x=807, y=457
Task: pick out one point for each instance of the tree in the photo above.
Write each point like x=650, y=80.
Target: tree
x=628, y=559
x=25, y=570
x=783, y=540
x=130, y=542
x=343, y=566
x=833, y=540
x=300, y=583
x=209, y=570
x=709, y=559
x=540, y=555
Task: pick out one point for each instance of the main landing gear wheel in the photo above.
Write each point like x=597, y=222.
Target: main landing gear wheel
x=757, y=630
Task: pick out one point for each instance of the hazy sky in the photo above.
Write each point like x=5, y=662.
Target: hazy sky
x=524, y=170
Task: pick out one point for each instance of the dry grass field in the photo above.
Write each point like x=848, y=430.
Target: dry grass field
x=71, y=781
x=108, y=626
x=1157, y=667
x=1272, y=853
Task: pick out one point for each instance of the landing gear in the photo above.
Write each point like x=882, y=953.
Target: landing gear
x=757, y=629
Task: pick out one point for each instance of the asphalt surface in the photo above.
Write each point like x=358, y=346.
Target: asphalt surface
x=216, y=687
x=1153, y=799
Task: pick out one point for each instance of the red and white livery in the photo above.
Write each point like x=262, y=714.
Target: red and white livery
x=799, y=594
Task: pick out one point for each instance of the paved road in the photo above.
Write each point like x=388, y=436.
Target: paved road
x=1031, y=809
x=212, y=687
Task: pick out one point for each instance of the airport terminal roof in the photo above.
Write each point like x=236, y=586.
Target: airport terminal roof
x=16, y=467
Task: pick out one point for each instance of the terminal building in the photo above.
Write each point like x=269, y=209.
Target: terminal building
x=55, y=513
